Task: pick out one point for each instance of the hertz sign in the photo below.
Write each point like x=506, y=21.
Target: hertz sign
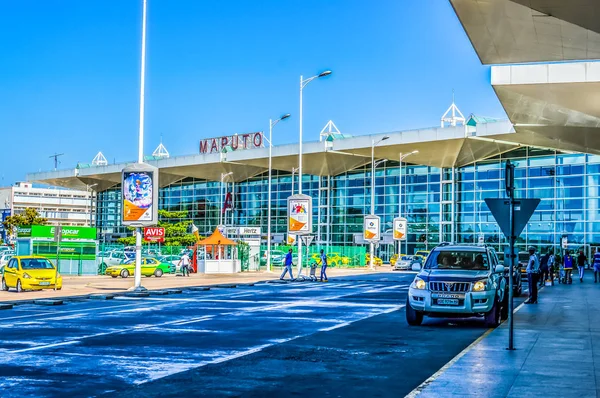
x=235, y=142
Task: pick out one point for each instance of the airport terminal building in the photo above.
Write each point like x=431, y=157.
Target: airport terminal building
x=545, y=75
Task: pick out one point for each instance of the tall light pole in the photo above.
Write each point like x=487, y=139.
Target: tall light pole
x=303, y=83
x=222, y=209
x=138, y=230
x=402, y=157
x=88, y=188
x=294, y=171
x=272, y=124
x=373, y=165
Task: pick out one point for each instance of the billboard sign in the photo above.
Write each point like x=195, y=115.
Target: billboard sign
x=291, y=239
x=4, y=213
x=50, y=232
x=139, y=184
x=154, y=234
x=299, y=214
x=400, y=228
x=371, y=228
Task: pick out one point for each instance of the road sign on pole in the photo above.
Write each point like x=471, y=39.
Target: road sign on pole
x=307, y=239
x=523, y=210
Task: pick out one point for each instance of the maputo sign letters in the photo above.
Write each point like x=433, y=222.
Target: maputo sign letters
x=236, y=141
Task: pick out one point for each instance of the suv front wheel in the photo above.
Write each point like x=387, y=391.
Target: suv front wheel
x=492, y=318
x=413, y=317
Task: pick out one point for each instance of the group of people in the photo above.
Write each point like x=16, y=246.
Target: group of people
x=289, y=263
x=551, y=267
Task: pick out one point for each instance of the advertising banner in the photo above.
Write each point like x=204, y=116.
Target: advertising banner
x=371, y=231
x=140, y=195
x=291, y=239
x=299, y=214
x=400, y=228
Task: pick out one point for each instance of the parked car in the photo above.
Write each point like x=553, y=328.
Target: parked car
x=150, y=267
x=406, y=263
x=30, y=273
x=5, y=256
x=423, y=254
x=333, y=259
x=459, y=281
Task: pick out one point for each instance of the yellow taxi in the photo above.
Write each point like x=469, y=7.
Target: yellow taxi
x=30, y=273
x=376, y=260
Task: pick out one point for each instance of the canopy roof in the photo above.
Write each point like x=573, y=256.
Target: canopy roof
x=217, y=238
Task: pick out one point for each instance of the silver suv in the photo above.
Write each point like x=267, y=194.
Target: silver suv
x=459, y=281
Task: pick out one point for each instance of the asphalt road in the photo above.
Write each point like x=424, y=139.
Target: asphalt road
x=344, y=338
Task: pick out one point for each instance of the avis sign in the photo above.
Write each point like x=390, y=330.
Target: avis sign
x=154, y=234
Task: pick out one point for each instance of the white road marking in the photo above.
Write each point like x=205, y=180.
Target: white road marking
x=40, y=347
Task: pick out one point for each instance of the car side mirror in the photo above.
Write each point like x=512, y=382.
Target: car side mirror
x=499, y=269
x=416, y=266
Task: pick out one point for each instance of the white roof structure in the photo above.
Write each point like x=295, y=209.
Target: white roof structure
x=99, y=160
x=330, y=130
x=453, y=116
x=161, y=152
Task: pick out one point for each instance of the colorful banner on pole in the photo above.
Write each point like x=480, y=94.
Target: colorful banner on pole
x=140, y=195
x=299, y=214
x=400, y=228
x=372, y=230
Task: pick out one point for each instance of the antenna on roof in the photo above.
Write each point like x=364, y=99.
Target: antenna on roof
x=161, y=151
x=56, y=156
x=330, y=130
x=99, y=160
x=453, y=116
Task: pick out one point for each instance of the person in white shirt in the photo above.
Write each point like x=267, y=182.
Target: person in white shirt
x=184, y=262
x=533, y=268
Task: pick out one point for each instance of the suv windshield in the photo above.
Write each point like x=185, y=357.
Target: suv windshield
x=458, y=259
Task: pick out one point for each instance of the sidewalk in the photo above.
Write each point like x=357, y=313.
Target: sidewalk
x=558, y=351
x=84, y=285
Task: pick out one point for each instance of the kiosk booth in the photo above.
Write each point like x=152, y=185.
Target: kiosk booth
x=217, y=255
x=78, y=247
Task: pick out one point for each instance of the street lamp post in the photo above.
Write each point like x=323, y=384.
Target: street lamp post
x=222, y=209
x=272, y=124
x=373, y=165
x=294, y=170
x=303, y=83
x=138, y=231
x=402, y=157
x=88, y=188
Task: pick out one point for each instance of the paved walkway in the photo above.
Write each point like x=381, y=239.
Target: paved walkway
x=85, y=285
x=558, y=351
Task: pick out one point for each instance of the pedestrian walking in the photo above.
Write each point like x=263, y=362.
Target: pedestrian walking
x=184, y=263
x=544, y=268
x=288, y=266
x=552, y=266
x=323, y=266
x=596, y=260
x=581, y=261
x=568, y=268
x=533, y=268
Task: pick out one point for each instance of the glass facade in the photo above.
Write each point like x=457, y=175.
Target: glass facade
x=440, y=204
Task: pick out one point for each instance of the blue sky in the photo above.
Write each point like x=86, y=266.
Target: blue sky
x=69, y=75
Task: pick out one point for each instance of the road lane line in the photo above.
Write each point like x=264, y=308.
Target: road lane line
x=40, y=347
x=342, y=325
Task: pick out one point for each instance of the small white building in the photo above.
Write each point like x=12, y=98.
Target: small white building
x=59, y=206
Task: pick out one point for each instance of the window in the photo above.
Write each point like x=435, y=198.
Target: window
x=458, y=259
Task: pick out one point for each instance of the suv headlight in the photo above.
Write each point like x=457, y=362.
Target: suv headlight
x=480, y=286
x=419, y=284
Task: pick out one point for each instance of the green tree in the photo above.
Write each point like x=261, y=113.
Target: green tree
x=29, y=217
x=176, y=232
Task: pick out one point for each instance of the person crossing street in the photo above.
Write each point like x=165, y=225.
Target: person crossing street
x=184, y=262
x=581, y=260
x=323, y=266
x=288, y=266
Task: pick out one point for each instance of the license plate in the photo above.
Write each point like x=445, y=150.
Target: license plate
x=447, y=301
x=44, y=283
